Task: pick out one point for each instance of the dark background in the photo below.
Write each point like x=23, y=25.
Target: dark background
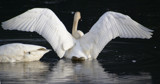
x=146, y=12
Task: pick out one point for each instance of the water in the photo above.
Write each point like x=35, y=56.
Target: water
x=66, y=72
x=115, y=65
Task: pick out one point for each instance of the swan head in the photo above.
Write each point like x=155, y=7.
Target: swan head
x=76, y=34
x=18, y=52
x=35, y=53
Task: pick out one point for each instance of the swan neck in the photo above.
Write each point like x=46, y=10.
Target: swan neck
x=75, y=22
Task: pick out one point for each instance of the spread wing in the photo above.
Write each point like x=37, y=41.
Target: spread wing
x=109, y=26
x=46, y=23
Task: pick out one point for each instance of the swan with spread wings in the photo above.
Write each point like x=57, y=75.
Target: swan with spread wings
x=77, y=46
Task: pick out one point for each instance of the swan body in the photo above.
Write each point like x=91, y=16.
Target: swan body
x=77, y=45
x=77, y=51
x=18, y=52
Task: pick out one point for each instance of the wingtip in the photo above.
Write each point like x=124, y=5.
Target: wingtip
x=2, y=25
x=151, y=31
x=150, y=36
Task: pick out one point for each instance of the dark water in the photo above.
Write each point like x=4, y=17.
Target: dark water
x=115, y=65
x=66, y=72
x=123, y=61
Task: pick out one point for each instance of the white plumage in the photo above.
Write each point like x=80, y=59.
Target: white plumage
x=18, y=52
x=89, y=45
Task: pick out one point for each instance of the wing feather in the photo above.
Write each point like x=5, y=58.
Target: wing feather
x=46, y=23
x=109, y=26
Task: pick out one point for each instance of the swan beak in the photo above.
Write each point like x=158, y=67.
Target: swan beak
x=48, y=50
x=74, y=58
x=44, y=49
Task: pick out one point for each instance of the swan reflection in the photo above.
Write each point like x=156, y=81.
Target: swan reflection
x=65, y=71
x=90, y=72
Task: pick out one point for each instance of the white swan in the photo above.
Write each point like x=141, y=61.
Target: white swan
x=18, y=52
x=77, y=46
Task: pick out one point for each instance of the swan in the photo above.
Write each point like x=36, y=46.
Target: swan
x=18, y=52
x=77, y=46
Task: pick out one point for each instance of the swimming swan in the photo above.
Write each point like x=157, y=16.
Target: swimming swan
x=78, y=45
x=18, y=52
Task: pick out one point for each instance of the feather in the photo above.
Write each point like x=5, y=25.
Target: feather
x=109, y=26
x=46, y=23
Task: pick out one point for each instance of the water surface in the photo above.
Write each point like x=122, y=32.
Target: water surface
x=121, y=62
x=66, y=72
